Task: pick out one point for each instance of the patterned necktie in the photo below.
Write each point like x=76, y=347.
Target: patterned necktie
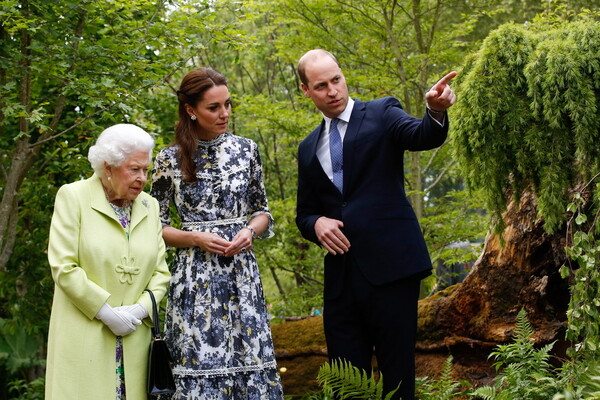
x=337, y=155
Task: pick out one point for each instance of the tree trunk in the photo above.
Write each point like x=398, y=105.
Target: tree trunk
x=469, y=319
x=416, y=184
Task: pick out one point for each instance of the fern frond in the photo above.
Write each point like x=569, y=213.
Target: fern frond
x=485, y=393
x=347, y=381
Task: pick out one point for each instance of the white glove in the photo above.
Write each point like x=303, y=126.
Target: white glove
x=120, y=322
x=137, y=310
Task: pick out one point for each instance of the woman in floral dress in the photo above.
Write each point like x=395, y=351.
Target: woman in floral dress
x=216, y=319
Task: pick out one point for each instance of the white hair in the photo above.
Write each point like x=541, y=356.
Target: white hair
x=116, y=143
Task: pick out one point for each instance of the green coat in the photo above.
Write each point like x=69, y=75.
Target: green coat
x=92, y=263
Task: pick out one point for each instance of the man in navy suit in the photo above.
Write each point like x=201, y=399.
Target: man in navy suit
x=351, y=201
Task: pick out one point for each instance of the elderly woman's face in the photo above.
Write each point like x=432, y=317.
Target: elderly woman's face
x=128, y=180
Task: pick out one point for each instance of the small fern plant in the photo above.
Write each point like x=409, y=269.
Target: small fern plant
x=442, y=388
x=341, y=380
x=525, y=371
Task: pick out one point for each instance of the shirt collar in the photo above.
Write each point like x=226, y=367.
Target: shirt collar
x=344, y=115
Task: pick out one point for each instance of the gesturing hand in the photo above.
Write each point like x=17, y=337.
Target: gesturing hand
x=440, y=97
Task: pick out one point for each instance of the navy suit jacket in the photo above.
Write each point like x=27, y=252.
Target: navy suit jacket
x=386, y=240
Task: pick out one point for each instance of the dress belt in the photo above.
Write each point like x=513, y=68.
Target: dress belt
x=195, y=225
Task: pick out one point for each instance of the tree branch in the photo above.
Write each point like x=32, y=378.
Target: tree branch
x=440, y=176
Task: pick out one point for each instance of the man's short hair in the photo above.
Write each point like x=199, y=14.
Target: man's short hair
x=310, y=55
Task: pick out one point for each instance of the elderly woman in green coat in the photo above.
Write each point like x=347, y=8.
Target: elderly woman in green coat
x=105, y=248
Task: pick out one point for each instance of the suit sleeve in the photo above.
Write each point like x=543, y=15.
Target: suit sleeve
x=63, y=255
x=411, y=133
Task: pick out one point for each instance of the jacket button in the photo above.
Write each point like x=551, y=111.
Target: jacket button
x=344, y=204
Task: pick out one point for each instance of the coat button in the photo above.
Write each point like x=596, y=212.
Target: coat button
x=344, y=204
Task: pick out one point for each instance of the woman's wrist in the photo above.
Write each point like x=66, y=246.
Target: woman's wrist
x=252, y=230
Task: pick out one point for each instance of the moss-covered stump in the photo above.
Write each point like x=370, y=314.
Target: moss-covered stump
x=300, y=349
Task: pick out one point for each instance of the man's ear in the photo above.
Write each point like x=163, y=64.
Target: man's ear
x=304, y=89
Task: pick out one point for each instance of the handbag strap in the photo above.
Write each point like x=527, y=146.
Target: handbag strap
x=156, y=326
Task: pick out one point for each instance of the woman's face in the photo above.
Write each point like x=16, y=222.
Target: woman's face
x=212, y=112
x=127, y=180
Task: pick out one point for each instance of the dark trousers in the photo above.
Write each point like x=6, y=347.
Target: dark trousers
x=383, y=318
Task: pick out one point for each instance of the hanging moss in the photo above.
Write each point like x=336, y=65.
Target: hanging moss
x=528, y=115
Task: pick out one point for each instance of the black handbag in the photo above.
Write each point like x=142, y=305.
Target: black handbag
x=160, y=375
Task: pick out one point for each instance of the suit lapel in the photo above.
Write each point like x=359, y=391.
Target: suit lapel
x=313, y=161
x=313, y=140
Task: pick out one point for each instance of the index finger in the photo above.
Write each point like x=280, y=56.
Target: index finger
x=444, y=81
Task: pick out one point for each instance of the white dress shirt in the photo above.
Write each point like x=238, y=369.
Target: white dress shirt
x=323, y=153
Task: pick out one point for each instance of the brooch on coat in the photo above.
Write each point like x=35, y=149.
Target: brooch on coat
x=127, y=269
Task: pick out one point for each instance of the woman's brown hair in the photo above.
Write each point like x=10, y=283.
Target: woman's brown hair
x=192, y=89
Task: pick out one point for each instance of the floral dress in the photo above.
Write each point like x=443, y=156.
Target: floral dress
x=216, y=321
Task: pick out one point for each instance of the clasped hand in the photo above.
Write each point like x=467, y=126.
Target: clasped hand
x=122, y=320
x=216, y=244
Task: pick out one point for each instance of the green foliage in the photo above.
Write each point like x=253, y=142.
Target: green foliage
x=527, y=115
x=299, y=301
x=342, y=380
x=525, y=371
x=278, y=129
x=293, y=266
x=583, y=381
x=23, y=390
x=18, y=349
x=583, y=315
x=457, y=216
x=442, y=388
x=590, y=383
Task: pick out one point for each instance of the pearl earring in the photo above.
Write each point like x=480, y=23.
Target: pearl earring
x=193, y=117
x=109, y=178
